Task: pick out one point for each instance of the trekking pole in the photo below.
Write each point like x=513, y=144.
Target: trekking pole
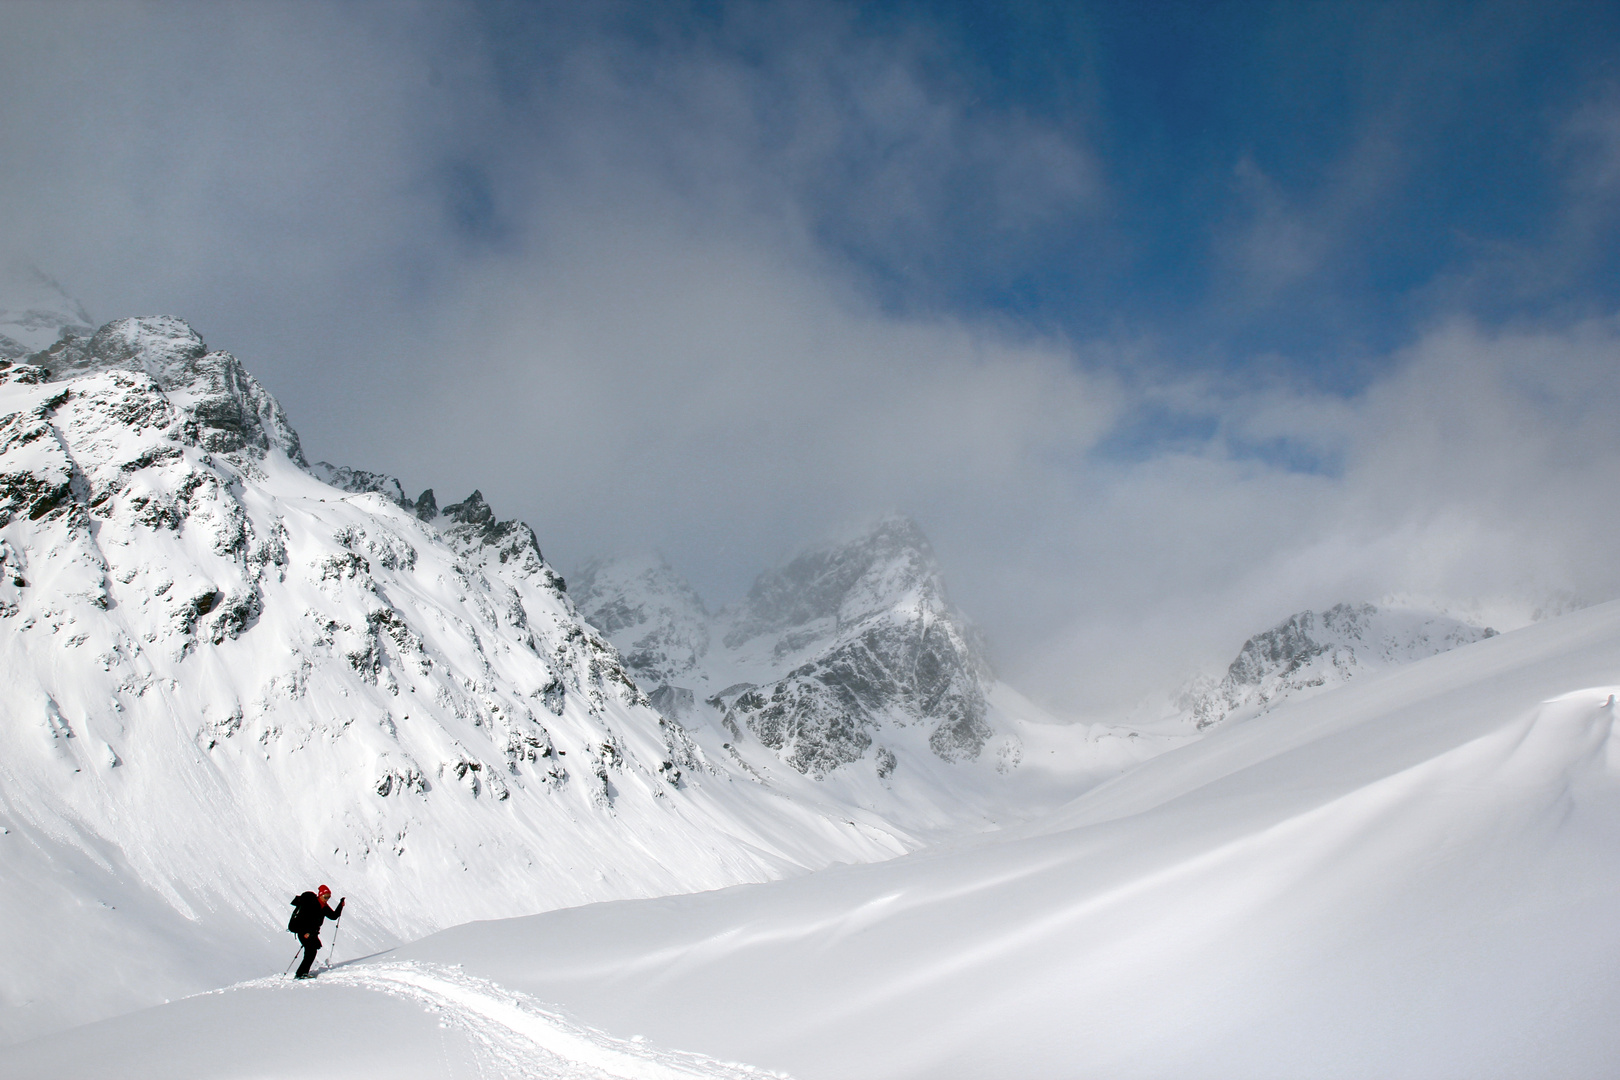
x=294, y=960
x=331, y=952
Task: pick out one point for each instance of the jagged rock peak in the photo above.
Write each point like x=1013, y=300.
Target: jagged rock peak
x=223, y=408
x=843, y=581
x=472, y=510
x=427, y=507
x=471, y=521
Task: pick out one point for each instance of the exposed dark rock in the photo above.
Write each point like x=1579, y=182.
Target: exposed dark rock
x=235, y=615
x=1309, y=651
x=227, y=411
x=427, y=507
x=25, y=374
x=360, y=481
x=472, y=510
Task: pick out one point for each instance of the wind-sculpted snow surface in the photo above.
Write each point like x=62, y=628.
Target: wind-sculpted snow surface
x=1410, y=875
x=444, y=1023
x=227, y=680
x=514, y=1037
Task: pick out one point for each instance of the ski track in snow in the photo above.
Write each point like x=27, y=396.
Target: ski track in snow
x=513, y=1036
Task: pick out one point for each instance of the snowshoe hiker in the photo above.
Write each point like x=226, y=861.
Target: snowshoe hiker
x=310, y=911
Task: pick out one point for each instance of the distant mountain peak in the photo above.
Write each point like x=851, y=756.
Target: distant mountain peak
x=844, y=581
x=828, y=655
x=1312, y=651
x=35, y=312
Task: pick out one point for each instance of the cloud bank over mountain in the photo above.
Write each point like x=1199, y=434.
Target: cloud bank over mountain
x=715, y=280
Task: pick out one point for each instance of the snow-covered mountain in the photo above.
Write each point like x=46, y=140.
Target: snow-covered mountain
x=1309, y=652
x=845, y=646
x=227, y=679
x=1407, y=875
x=849, y=667
x=870, y=646
x=658, y=621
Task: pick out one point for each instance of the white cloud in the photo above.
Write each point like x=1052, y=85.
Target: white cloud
x=658, y=339
x=1483, y=468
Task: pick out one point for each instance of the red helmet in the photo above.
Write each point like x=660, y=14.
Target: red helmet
x=323, y=892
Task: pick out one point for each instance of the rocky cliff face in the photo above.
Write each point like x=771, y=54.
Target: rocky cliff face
x=868, y=641
x=1310, y=652
x=824, y=661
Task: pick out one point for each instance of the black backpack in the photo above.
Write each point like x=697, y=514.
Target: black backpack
x=307, y=915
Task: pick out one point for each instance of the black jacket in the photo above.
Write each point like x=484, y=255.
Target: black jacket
x=309, y=914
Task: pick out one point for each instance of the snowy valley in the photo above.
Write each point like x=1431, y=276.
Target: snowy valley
x=1409, y=875
x=837, y=844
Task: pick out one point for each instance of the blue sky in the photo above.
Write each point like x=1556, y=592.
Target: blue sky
x=1164, y=320
x=1282, y=188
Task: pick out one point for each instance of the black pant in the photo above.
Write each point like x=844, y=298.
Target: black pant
x=312, y=945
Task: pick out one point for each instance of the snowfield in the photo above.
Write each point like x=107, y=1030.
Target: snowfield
x=1416, y=874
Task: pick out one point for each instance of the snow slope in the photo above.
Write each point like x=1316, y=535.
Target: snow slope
x=1412, y=875
x=227, y=680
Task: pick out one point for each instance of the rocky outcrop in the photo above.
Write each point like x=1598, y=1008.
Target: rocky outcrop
x=470, y=524
x=1309, y=652
x=216, y=404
